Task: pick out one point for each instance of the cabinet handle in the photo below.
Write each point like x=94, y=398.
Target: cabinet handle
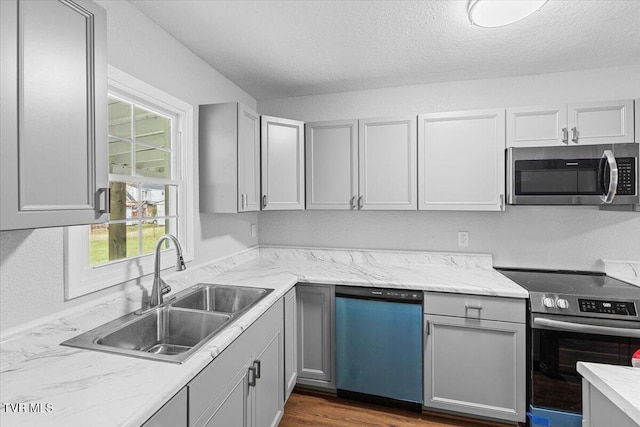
x=574, y=130
x=360, y=202
x=256, y=365
x=428, y=328
x=565, y=135
x=472, y=307
x=107, y=200
x=244, y=200
x=252, y=377
x=352, y=203
x=264, y=201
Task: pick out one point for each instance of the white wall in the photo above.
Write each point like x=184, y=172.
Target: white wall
x=31, y=261
x=545, y=237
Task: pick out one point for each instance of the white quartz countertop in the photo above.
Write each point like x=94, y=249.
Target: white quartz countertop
x=620, y=384
x=83, y=387
x=627, y=271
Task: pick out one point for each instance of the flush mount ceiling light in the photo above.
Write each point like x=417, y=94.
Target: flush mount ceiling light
x=498, y=13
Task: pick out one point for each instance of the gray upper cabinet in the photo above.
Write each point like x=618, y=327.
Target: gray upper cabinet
x=316, y=335
x=474, y=360
x=229, y=156
x=332, y=164
x=604, y=122
x=461, y=160
x=282, y=148
x=387, y=164
x=54, y=114
x=537, y=126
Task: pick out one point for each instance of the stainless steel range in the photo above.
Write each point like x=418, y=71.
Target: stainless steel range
x=574, y=316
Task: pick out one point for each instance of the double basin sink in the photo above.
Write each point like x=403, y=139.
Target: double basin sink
x=175, y=330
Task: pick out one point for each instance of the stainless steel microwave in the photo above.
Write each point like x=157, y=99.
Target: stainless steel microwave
x=579, y=175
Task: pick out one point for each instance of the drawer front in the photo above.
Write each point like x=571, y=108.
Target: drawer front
x=475, y=307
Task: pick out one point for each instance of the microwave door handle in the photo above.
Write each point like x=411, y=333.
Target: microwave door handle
x=613, y=176
x=587, y=329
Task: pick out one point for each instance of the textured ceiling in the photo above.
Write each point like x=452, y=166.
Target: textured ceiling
x=276, y=49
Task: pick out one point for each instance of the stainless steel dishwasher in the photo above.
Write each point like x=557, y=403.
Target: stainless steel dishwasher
x=379, y=346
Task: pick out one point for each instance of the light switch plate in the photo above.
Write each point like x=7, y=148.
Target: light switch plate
x=253, y=230
x=463, y=238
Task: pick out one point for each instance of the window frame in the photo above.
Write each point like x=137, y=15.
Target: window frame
x=80, y=277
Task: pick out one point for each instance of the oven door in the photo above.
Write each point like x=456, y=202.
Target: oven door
x=557, y=344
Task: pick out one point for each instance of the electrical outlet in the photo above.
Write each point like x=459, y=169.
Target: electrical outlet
x=463, y=238
x=253, y=230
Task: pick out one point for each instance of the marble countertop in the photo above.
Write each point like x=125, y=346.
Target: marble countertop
x=620, y=384
x=74, y=385
x=627, y=271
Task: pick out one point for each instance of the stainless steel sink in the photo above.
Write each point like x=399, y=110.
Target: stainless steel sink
x=176, y=329
x=224, y=299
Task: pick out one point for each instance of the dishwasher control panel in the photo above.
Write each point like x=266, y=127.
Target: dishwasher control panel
x=396, y=295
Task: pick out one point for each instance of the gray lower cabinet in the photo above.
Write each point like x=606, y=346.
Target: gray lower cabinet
x=53, y=62
x=290, y=342
x=474, y=361
x=243, y=385
x=172, y=414
x=316, y=335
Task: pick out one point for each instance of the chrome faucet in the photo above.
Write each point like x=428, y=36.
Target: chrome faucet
x=159, y=286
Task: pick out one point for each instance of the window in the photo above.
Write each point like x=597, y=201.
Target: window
x=151, y=192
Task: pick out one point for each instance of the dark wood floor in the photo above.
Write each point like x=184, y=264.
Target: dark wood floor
x=313, y=409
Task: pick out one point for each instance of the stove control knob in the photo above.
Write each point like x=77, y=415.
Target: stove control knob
x=548, y=302
x=562, y=303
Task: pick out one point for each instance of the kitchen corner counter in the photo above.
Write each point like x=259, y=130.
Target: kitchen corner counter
x=102, y=389
x=619, y=384
x=627, y=271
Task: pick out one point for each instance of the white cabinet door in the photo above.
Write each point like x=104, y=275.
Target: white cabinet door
x=232, y=406
x=332, y=164
x=461, y=160
x=316, y=310
x=248, y=160
x=172, y=414
x=268, y=393
x=537, y=126
x=229, y=157
x=54, y=114
x=601, y=122
x=282, y=143
x=388, y=171
x=475, y=367
x=290, y=342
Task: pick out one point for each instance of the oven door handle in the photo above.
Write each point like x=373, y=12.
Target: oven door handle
x=587, y=329
x=613, y=176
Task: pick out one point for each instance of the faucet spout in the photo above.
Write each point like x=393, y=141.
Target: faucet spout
x=159, y=286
